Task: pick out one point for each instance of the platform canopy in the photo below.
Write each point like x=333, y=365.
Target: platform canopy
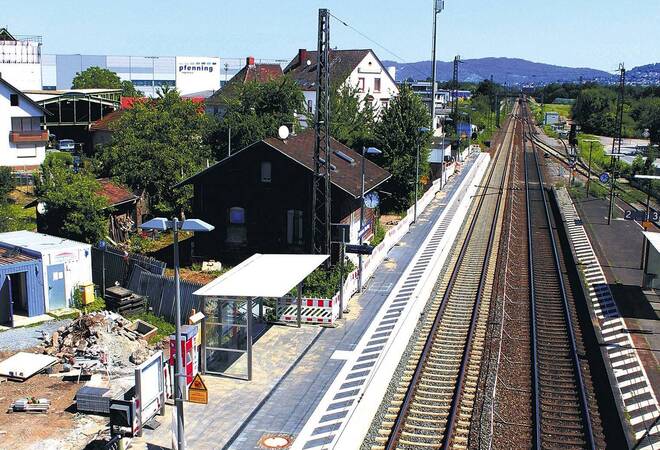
x=653, y=238
x=263, y=276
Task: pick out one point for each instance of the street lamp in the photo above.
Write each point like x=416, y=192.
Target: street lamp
x=591, y=146
x=365, y=151
x=421, y=130
x=193, y=225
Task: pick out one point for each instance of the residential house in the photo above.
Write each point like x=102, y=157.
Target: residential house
x=125, y=212
x=125, y=209
x=259, y=198
x=22, y=136
x=101, y=130
x=358, y=68
x=252, y=71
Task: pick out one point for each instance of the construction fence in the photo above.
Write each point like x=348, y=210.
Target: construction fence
x=159, y=291
x=144, y=276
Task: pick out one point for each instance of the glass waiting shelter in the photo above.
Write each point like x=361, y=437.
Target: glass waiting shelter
x=229, y=304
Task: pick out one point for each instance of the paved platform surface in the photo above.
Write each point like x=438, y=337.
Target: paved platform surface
x=619, y=248
x=295, y=399
x=231, y=401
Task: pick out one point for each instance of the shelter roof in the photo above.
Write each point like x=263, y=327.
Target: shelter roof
x=263, y=275
x=115, y=193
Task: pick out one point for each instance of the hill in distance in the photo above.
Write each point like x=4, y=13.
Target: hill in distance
x=513, y=71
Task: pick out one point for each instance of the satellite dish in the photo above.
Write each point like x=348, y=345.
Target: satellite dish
x=371, y=200
x=309, y=63
x=283, y=132
x=41, y=208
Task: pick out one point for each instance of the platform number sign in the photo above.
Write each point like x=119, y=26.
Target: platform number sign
x=640, y=216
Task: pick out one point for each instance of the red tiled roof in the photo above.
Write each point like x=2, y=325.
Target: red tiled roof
x=115, y=193
x=342, y=63
x=103, y=124
x=259, y=72
x=128, y=102
x=344, y=174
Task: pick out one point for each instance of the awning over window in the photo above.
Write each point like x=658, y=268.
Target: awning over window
x=263, y=276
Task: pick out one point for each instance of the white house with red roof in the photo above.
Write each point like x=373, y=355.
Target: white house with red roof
x=22, y=137
x=357, y=68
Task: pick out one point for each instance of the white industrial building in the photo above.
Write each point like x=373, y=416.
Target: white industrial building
x=192, y=76
x=20, y=60
x=22, y=139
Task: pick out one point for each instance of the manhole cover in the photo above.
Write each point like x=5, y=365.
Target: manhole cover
x=275, y=441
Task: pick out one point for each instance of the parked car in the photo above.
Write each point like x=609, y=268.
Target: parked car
x=66, y=145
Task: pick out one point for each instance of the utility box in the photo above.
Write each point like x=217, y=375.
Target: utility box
x=188, y=350
x=87, y=291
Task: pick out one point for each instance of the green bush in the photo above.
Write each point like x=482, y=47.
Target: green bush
x=323, y=283
x=97, y=305
x=379, y=234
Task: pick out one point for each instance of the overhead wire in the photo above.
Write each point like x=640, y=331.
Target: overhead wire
x=373, y=41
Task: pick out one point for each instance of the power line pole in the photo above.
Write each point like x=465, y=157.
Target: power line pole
x=616, y=141
x=321, y=190
x=438, y=6
x=454, y=82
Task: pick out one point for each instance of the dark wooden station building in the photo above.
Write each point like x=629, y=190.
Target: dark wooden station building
x=259, y=198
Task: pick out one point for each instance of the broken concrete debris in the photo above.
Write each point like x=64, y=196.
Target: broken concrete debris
x=101, y=341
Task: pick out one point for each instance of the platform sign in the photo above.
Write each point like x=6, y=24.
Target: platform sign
x=604, y=177
x=634, y=215
x=364, y=230
x=363, y=249
x=197, y=392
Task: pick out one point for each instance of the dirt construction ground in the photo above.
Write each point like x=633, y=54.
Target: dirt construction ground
x=60, y=428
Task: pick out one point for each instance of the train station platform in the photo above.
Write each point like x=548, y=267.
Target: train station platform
x=619, y=250
x=294, y=368
x=623, y=313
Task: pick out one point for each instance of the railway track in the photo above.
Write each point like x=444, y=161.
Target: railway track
x=434, y=400
x=561, y=411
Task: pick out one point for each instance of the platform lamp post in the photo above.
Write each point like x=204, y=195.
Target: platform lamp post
x=422, y=131
x=647, y=216
x=192, y=225
x=365, y=151
x=591, y=147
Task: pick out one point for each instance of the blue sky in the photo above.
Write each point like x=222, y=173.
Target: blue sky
x=578, y=33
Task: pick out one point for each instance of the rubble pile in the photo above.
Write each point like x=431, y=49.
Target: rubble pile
x=99, y=340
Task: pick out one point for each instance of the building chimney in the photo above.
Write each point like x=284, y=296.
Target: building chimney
x=249, y=61
x=392, y=71
x=302, y=56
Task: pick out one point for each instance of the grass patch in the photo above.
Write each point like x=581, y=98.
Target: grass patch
x=165, y=328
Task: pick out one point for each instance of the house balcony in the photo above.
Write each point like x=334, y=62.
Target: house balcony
x=28, y=137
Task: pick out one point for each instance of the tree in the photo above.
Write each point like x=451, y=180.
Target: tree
x=99, y=78
x=397, y=135
x=7, y=184
x=648, y=114
x=254, y=111
x=74, y=210
x=157, y=144
x=351, y=119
